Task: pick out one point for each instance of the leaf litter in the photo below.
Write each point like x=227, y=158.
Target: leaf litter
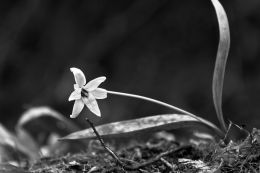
x=162, y=155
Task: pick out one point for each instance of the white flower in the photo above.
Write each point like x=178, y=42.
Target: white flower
x=86, y=93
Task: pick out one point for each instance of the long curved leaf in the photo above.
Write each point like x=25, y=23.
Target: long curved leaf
x=45, y=122
x=140, y=125
x=11, y=146
x=39, y=114
x=220, y=65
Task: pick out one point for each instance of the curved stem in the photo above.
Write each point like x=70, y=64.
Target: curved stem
x=208, y=123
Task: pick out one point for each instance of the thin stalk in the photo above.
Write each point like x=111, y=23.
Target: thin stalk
x=208, y=123
x=103, y=143
x=114, y=155
x=136, y=166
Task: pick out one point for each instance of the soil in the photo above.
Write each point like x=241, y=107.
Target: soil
x=98, y=159
x=158, y=155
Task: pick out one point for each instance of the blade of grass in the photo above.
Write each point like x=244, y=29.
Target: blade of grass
x=220, y=65
x=140, y=125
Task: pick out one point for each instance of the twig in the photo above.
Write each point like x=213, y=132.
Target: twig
x=136, y=166
x=159, y=156
x=172, y=167
x=220, y=165
x=227, y=132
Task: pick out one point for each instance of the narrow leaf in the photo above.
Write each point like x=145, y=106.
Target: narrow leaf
x=49, y=116
x=44, y=122
x=220, y=65
x=11, y=147
x=140, y=125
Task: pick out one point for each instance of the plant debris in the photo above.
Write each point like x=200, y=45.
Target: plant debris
x=212, y=157
x=155, y=155
x=240, y=156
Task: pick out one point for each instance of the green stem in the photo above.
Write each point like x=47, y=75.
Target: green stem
x=208, y=123
x=103, y=143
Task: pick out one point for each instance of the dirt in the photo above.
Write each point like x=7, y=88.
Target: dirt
x=98, y=160
x=158, y=155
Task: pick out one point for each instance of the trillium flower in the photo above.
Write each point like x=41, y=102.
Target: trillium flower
x=86, y=94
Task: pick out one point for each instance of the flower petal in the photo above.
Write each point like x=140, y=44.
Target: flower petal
x=91, y=103
x=76, y=86
x=75, y=95
x=93, y=84
x=79, y=76
x=77, y=108
x=99, y=93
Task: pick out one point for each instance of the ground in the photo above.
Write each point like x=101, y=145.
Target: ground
x=155, y=155
x=160, y=155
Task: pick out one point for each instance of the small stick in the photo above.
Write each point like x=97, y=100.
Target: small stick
x=137, y=166
x=221, y=164
x=169, y=165
x=229, y=126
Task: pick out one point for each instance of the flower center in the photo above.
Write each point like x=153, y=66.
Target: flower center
x=84, y=93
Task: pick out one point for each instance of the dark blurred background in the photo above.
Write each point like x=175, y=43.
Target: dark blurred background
x=164, y=49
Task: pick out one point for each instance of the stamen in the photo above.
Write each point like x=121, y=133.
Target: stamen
x=84, y=93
